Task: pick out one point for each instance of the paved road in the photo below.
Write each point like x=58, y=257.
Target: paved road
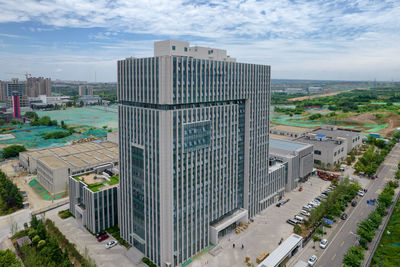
x=343, y=236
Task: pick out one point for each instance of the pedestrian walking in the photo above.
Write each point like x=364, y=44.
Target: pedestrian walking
x=242, y=246
x=233, y=245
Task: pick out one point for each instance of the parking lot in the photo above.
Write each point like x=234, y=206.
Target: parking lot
x=78, y=235
x=265, y=232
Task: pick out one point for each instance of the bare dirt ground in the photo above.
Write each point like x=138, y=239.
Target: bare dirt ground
x=363, y=118
x=393, y=122
x=21, y=179
x=315, y=96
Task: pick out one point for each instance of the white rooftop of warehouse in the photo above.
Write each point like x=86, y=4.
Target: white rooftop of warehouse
x=286, y=144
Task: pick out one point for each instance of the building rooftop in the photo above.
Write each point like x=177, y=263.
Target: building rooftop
x=96, y=182
x=291, y=129
x=281, y=252
x=181, y=48
x=67, y=150
x=287, y=145
x=54, y=162
x=317, y=143
x=281, y=137
x=338, y=132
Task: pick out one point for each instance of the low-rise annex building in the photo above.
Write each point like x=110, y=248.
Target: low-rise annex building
x=54, y=165
x=292, y=132
x=94, y=200
x=327, y=151
x=299, y=157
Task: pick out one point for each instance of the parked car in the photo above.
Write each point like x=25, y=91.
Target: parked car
x=324, y=243
x=307, y=207
x=319, y=199
x=283, y=202
x=102, y=237
x=299, y=219
x=343, y=216
x=323, y=196
x=100, y=234
x=23, y=193
x=111, y=244
x=305, y=213
x=361, y=193
x=354, y=203
x=312, y=260
x=292, y=221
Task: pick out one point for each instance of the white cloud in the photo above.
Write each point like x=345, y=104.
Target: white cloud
x=300, y=39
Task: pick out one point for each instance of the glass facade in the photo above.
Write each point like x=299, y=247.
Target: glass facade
x=138, y=197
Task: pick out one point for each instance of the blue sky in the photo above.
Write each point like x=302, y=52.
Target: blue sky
x=300, y=39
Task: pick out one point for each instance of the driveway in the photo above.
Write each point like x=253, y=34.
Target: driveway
x=78, y=235
x=265, y=232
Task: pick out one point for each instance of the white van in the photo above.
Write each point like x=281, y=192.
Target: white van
x=299, y=219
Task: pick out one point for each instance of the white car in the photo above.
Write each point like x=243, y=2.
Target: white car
x=305, y=213
x=324, y=243
x=111, y=244
x=361, y=193
x=312, y=260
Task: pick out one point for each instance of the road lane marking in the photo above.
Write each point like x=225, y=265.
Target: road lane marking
x=333, y=257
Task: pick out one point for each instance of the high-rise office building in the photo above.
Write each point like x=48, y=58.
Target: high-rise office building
x=38, y=86
x=194, y=133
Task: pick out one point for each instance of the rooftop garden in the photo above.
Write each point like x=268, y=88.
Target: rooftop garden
x=94, y=183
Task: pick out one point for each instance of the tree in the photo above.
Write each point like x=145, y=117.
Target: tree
x=31, y=115
x=354, y=256
x=8, y=259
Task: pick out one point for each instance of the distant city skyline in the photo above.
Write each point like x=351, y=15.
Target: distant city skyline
x=317, y=40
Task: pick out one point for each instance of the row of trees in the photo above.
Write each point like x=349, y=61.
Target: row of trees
x=10, y=196
x=334, y=204
x=375, y=155
x=367, y=228
x=49, y=246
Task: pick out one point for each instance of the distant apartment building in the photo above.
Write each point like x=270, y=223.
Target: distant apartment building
x=292, y=90
x=38, y=86
x=89, y=100
x=328, y=151
x=193, y=135
x=85, y=90
x=93, y=200
x=292, y=132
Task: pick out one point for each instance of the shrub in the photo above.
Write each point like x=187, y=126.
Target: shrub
x=13, y=151
x=64, y=214
x=148, y=262
x=57, y=135
x=297, y=229
x=8, y=258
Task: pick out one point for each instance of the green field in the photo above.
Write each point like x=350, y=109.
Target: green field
x=388, y=252
x=94, y=116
